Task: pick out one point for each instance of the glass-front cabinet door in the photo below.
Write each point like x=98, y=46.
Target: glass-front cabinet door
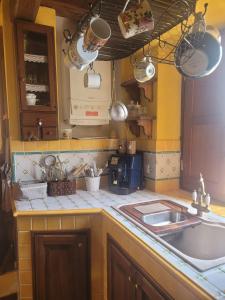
x=37, y=80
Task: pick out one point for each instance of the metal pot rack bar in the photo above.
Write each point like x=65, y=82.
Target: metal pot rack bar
x=167, y=14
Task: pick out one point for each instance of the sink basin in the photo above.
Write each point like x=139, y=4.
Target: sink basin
x=159, y=216
x=164, y=218
x=202, y=245
x=197, y=241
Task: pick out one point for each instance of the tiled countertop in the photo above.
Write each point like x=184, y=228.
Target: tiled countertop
x=212, y=281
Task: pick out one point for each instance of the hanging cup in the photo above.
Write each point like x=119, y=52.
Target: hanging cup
x=136, y=20
x=96, y=35
x=77, y=57
x=144, y=69
x=92, y=80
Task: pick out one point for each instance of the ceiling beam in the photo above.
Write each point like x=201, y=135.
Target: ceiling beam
x=73, y=9
x=25, y=9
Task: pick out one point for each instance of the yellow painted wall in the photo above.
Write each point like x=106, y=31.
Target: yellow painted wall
x=216, y=12
x=165, y=107
x=167, y=102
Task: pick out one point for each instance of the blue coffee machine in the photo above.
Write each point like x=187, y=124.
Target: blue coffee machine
x=126, y=173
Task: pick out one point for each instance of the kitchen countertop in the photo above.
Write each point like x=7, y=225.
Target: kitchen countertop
x=212, y=281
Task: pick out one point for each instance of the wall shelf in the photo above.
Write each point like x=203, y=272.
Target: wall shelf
x=133, y=88
x=35, y=58
x=36, y=88
x=141, y=121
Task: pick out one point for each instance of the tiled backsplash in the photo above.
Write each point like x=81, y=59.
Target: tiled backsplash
x=157, y=166
x=26, y=165
x=162, y=165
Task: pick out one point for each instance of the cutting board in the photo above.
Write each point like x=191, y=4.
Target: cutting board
x=151, y=208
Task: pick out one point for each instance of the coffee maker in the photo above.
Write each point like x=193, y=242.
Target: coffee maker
x=126, y=173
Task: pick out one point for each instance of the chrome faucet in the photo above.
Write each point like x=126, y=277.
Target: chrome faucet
x=201, y=199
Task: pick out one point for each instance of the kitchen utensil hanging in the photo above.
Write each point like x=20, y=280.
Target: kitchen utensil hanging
x=143, y=68
x=118, y=111
x=75, y=55
x=136, y=19
x=92, y=79
x=199, y=53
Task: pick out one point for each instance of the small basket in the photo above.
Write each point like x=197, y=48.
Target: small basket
x=61, y=188
x=33, y=190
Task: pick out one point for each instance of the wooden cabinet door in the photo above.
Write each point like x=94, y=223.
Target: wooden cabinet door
x=127, y=280
x=120, y=275
x=203, y=136
x=146, y=289
x=61, y=265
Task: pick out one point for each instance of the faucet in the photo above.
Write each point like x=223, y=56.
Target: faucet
x=201, y=199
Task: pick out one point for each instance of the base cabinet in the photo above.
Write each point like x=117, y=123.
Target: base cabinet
x=126, y=280
x=61, y=268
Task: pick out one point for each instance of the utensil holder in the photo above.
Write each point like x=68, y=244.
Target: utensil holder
x=61, y=188
x=92, y=183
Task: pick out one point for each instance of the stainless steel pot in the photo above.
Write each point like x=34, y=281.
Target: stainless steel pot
x=199, y=53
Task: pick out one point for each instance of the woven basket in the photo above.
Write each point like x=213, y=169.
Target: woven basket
x=61, y=188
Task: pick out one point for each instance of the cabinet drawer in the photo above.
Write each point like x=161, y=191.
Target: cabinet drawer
x=50, y=133
x=32, y=119
x=30, y=134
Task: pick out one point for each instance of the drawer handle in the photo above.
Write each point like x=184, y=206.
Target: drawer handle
x=39, y=122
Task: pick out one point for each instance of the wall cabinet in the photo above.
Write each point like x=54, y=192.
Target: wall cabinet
x=126, y=280
x=61, y=266
x=37, y=81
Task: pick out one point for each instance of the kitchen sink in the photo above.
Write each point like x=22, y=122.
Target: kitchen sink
x=159, y=216
x=201, y=245
x=197, y=241
x=164, y=218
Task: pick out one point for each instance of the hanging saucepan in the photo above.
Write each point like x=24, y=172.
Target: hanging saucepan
x=118, y=111
x=199, y=53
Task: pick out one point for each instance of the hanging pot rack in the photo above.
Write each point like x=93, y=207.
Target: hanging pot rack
x=167, y=14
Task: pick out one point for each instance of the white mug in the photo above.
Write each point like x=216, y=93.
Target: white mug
x=67, y=133
x=92, y=80
x=31, y=99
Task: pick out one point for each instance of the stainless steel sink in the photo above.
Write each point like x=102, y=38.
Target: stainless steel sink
x=202, y=245
x=164, y=218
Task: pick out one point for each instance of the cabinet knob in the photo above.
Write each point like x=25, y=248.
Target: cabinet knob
x=39, y=123
x=129, y=278
x=136, y=286
x=80, y=245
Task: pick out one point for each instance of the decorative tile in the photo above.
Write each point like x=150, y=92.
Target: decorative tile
x=26, y=166
x=167, y=165
x=163, y=165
